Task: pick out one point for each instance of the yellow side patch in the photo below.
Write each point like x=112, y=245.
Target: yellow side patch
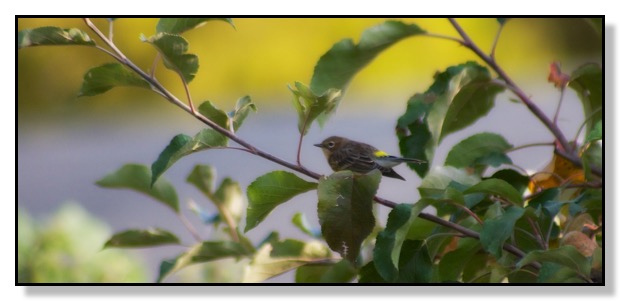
x=380, y=154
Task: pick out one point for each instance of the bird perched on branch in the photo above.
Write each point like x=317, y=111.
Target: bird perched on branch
x=345, y=154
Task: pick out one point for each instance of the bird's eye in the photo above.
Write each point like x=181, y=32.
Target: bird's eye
x=331, y=144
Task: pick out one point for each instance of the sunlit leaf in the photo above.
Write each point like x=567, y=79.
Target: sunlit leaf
x=274, y=259
x=345, y=210
x=310, y=105
x=180, y=25
x=182, y=145
x=559, y=171
x=50, y=35
x=141, y=239
x=138, y=178
x=434, y=185
x=300, y=221
x=270, y=190
x=214, y=114
x=203, y=177
x=173, y=49
x=203, y=252
x=336, y=67
x=243, y=107
x=105, y=77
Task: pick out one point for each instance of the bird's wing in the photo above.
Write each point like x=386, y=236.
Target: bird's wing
x=353, y=160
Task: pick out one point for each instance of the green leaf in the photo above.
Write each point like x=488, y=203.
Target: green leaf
x=498, y=187
x=229, y=197
x=173, y=49
x=203, y=252
x=182, y=145
x=138, y=178
x=587, y=81
x=414, y=135
x=180, y=25
x=368, y=274
x=165, y=268
x=269, y=191
x=478, y=151
x=415, y=264
x=548, y=201
x=502, y=21
x=437, y=181
x=458, y=97
x=341, y=272
x=390, y=241
x=203, y=177
x=300, y=221
x=497, y=230
x=514, y=178
x=566, y=256
x=214, y=114
x=345, y=210
x=452, y=263
x=50, y=35
x=274, y=259
x=100, y=79
x=596, y=133
x=338, y=66
x=556, y=273
x=310, y=105
x=141, y=238
x=243, y=107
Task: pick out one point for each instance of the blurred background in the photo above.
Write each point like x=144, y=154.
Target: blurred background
x=66, y=143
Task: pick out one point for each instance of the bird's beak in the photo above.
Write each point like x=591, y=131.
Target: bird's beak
x=318, y=145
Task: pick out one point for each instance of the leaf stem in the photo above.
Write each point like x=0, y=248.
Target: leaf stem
x=189, y=227
x=557, y=110
x=496, y=40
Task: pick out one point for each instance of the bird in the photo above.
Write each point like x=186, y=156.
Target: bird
x=345, y=154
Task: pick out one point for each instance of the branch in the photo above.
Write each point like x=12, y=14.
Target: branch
x=252, y=149
x=467, y=42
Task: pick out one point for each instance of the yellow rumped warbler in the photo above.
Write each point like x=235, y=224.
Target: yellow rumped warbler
x=345, y=154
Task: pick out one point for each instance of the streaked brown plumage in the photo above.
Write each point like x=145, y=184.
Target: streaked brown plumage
x=345, y=154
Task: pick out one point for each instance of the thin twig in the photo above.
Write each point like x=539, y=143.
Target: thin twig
x=189, y=227
x=557, y=110
x=537, y=233
x=530, y=145
x=496, y=40
x=111, y=30
x=583, y=124
x=439, y=36
x=301, y=138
